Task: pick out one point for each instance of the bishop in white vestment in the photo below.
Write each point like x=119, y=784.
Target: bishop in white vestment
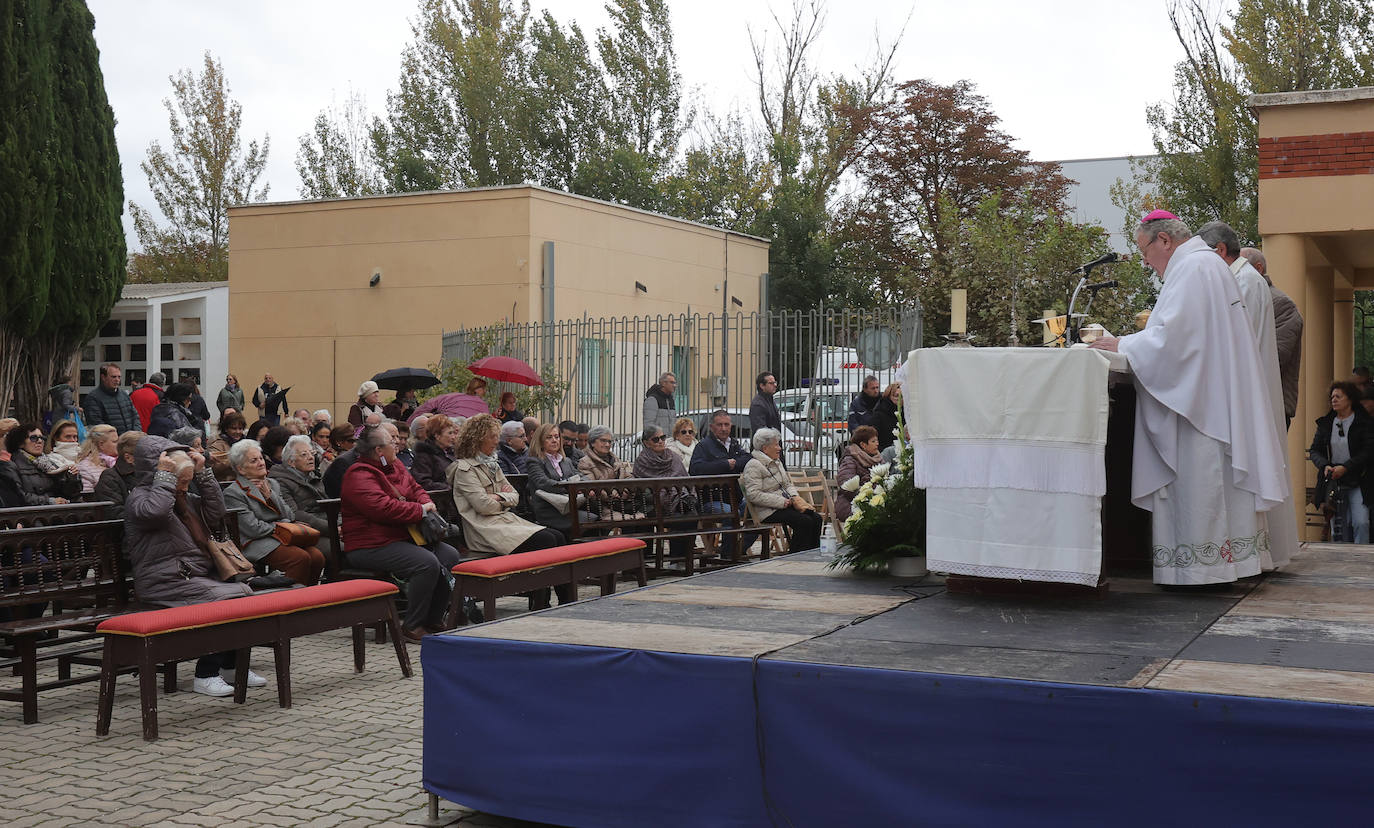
x=1207, y=459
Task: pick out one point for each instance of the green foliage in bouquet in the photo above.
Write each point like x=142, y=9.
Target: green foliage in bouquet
x=889, y=517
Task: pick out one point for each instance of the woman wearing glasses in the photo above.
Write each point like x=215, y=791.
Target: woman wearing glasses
x=684, y=440
x=37, y=487
x=1342, y=450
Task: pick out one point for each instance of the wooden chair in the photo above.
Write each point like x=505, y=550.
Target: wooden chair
x=813, y=485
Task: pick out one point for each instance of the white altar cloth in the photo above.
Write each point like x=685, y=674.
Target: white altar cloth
x=1010, y=447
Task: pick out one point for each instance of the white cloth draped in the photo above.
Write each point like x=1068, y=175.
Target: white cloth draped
x=1009, y=444
x=1198, y=374
x=1281, y=521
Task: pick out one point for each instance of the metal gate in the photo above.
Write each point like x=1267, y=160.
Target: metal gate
x=612, y=362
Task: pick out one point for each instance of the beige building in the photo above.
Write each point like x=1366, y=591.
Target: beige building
x=1316, y=215
x=324, y=294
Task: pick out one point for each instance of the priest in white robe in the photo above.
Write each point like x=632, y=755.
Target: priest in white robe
x=1207, y=460
x=1282, y=522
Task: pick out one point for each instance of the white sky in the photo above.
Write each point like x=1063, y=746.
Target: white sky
x=1070, y=79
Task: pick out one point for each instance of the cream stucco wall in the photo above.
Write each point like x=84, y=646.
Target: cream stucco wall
x=301, y=308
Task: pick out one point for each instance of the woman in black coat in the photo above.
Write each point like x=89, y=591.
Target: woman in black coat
x=1342, y=450
x=24, y=442
x=434, y=454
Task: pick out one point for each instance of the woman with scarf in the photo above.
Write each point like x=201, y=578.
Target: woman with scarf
x=860, y=456
x=369, y=402
x=546, y=469
x=684, y=440
x=657, y=460
x=96, y=455
x=169, y=517
x=229, y=397
x=486, y=500
x=262, y=507
x=40, y=482
x=231, y=429
x=434, y=453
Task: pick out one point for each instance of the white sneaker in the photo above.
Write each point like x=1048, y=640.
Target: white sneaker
x=254, y=680
x=213, y=686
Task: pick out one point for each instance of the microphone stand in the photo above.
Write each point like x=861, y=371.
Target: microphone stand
x=1072, y=323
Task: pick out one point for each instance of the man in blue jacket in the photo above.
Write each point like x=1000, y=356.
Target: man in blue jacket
x=718, y=453
x=107, y=404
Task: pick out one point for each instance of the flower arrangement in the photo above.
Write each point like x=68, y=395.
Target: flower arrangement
x=889, y=516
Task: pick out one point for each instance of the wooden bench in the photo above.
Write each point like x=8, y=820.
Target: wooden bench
x=79, y=569
x=144, y=640
x=490, y=578
x=32, y=516
x=611, y=501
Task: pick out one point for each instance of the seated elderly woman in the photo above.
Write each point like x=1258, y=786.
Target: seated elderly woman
x=380, y=499
x=342, y=438
x=683, y=440
x=486, y=500
x=860, y=456
x=263, y=507
x=169, y=519
x=511, y=454
x=231, y=429
x=300, y=487
x=39, y=482
x=434, y=453
x=768, y=489
x=97, y=455
x=656, y=459
x=189, y=437
x=599, y=463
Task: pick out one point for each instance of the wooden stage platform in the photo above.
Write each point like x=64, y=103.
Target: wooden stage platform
x=803, y=696
x=1306, y=633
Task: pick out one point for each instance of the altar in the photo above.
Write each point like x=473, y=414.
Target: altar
x=1024, y=454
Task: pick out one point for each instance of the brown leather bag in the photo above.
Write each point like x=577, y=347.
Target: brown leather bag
x=229, y=561
x=301, y=535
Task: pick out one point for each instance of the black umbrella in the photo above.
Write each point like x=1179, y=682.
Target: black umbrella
x=404, y=379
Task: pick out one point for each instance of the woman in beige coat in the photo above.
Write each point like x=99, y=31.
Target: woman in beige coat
x=485, y=499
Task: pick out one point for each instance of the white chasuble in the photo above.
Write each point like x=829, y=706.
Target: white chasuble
x=1207, y=458
x=1282, y=522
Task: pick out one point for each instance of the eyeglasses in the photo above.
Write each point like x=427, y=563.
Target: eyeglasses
x=658, y=439
x=1147, y=244
x=686, y=431
x=35, y=438
x=1340, y=427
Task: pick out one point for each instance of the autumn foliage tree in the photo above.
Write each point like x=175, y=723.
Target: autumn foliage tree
x=204, y=171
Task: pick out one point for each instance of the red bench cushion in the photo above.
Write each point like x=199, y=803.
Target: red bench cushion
x=174, y=619
x=544, y=558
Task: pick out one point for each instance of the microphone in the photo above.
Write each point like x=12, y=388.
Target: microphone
x=1110, y=283
x=1107, y=259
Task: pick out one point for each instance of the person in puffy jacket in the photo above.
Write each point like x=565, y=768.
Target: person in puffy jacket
x=106, y=403
x=172, y=413
x=379, y=500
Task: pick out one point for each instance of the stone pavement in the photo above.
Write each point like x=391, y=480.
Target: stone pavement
x=346, y=753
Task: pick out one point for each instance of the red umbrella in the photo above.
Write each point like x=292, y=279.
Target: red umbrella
x=505, y=369
x=453, y=405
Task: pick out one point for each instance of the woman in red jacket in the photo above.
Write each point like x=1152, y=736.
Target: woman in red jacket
x=380, y=499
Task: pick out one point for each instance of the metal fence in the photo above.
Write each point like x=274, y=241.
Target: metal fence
x=612, y=362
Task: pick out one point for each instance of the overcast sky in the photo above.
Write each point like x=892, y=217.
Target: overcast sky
x=1070, y=79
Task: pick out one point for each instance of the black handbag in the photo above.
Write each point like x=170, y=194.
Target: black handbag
x=432, y=528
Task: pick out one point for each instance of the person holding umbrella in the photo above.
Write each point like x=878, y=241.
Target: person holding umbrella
x=270, y=400
x=402, y=406
x=507, y=412
x=369, y=402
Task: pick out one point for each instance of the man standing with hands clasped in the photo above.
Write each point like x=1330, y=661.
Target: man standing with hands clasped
x=1208, y=460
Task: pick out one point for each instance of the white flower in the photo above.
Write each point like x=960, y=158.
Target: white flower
x=879, y=471
x=877, y=499
x=854, y=515
x=891, y=483
x=865, y=490
x=851, y=485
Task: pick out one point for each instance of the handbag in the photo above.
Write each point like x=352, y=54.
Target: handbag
x=431, y=528
x=229, y=561
x=289, y=533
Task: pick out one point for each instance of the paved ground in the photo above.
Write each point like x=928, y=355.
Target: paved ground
x=347, y=752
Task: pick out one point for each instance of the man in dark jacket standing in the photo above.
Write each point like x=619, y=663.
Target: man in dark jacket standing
x=862, y=406
x=660, y=409
x=763, y=412
x=270, y=400
x=107, y=404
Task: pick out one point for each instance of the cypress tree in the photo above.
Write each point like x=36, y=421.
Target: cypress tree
x=67, y=240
